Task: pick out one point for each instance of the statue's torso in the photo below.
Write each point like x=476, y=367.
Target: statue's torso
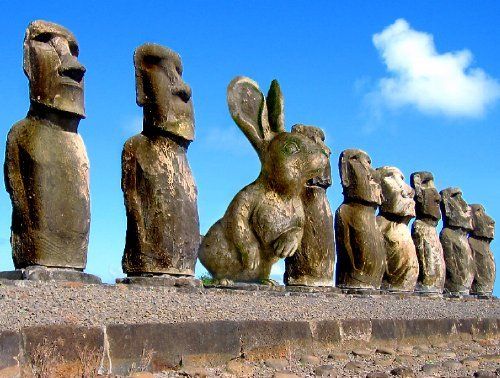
x=484, y=266
x=430, y=255
x=459, y=262
x=168, y=207
x=54, y=170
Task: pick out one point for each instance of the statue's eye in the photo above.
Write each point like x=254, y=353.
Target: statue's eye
x=43, y=37
x=291, y=148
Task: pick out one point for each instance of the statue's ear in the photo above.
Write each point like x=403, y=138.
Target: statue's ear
x=344, y=170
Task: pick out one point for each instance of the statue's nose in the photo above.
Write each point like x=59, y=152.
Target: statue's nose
x=72, y=68
x=183, y=91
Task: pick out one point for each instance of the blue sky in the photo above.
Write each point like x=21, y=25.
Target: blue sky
x=364, y=93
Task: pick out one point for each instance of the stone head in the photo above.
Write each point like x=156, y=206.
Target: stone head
x=318, y=136
x=483, y=225
x=397, y=195
x=357, y=177
x=162, y=92
x=51, y=64
x=427, y=198
x=456, y=212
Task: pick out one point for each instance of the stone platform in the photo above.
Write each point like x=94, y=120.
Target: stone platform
x=45, y=274
x=123, y=327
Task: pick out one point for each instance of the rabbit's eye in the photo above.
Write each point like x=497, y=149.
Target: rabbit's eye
x=291, y=148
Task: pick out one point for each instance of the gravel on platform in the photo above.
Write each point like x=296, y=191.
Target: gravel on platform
x=27, y=303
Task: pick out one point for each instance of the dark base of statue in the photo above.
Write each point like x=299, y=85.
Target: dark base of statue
x=359, y=290
x=45, y=274
x=165, y=280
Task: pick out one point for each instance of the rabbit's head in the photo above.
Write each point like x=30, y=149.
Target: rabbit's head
x=288, y=160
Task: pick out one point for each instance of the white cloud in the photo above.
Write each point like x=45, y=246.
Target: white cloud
x=430, y=81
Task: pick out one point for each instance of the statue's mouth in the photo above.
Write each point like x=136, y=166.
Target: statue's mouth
x=318, y=182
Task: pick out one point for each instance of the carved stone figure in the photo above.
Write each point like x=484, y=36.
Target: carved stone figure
x=396, y=211
x=265, y=221
x=159, y=190
x=312, y=264
x=457, y=222
x=432, y=269
x=480, y=238
x=360, y=245
x=46, y=165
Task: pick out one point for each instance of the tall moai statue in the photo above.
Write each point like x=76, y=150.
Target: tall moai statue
x=312, y=264
x=265, y=220
x=432, y=269
x=480, y=238
x=360, y=245
x=457, y=223
x=46, y=164
x=396, y=211
x=160, y=193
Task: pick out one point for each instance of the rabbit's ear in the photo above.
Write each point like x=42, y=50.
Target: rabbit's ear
x=248, y=109
x=275, y=107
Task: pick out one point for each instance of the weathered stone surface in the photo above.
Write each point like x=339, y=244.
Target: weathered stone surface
x=327, y=332
x=264, y=338
x=312, y=264
x=239, y=368
x=403, y=372
x=10, y=350
x=432, y=270
x=325, y=371
x=265, y=221
x=277, y=364
x=396, y=211
x=310, y=359
x=42, y=273
x=49, y=187
x=479, y=241
x=159, y=189
x=169, y=343
x=377, y=374
x=385, y=350
x=63, y=344
x=161, y=280
x=360, y=246
x=457, y=222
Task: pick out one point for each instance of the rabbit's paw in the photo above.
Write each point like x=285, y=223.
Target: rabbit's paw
x=251, y=259
x=286, y=245
x=223, y=282
x=268, y=282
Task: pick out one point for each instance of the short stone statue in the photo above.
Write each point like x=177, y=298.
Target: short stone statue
x=265, y=220
x=432, y=269
x=396, y=211
x=360, y=245
x=457, y=222
x=160, y=193
x=480, y=238
x=46, y=164
x=312, y=264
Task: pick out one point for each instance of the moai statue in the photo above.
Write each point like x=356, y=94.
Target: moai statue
x=46, y=165
x=265, y=220
x=396, y=211
x=479, y=240
x=432, y=269
x=360, y=245
x=160, y=193
x=457, y=222
x=312, y=264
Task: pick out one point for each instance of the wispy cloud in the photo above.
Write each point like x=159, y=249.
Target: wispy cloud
x=431, y=82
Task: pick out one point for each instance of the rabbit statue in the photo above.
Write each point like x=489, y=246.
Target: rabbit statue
x=265, y=220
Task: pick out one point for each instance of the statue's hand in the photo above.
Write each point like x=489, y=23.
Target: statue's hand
x=286, y=245
x=251, y=258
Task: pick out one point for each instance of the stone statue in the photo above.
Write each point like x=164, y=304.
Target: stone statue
x=479, y=240
x=265, y=221
x=46, y=165
x=396, y=211
x=430, y=255
x=160, y=193
x=360, y=245
x=457, y=222
x=312, y=264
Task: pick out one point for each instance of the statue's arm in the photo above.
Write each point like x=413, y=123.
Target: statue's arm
x=129, y=188
x=343, y=229
x=240, y=230
x=13, y=179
